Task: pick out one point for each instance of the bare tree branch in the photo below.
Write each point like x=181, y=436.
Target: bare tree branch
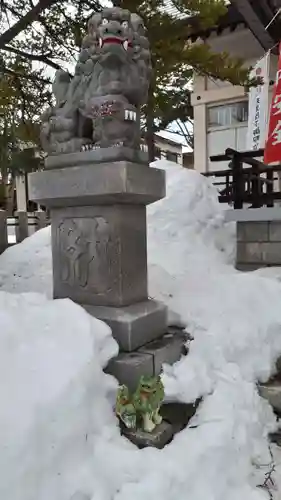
x=31, y=77
x=53, y=36
x=33, y=57
x=25, y=21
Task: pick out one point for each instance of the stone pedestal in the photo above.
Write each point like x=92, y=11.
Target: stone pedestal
x=98, y=214
x=96, y=186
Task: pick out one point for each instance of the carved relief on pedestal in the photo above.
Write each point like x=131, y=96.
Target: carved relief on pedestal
x=74, y=253
x=86, y=253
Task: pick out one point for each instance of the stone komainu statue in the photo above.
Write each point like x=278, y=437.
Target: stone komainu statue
x=99, y=106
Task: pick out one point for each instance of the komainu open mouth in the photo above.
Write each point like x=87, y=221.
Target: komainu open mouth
x=114, y=40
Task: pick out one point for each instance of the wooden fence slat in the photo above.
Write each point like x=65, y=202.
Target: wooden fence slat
x=22, y=226
x=3, y=231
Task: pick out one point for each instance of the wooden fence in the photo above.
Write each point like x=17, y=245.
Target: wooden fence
x=15, y=229
x=255, y=185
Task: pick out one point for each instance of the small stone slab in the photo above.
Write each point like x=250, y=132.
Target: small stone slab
x=272, y=392
x=275, y=437
x=167, y=349
x=158, y=438
x=129, y=367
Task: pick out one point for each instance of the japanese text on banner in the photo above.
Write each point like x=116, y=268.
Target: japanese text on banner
x=272, y=151
x=258, y=106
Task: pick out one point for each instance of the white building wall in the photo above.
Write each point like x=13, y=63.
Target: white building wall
x=210, y=139
x=167, y=149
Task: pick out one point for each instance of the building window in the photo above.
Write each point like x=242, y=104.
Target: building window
x=157, y=153
x=228, y=115
x=171, y=156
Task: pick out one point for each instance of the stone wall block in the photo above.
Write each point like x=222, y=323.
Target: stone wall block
x=249, y=253
x=271, y=253
x=275, y=231
x=253, y=231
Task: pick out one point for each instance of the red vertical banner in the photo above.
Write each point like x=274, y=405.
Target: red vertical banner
x=272, y=151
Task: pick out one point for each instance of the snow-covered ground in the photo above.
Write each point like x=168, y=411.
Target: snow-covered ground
x=58, y=434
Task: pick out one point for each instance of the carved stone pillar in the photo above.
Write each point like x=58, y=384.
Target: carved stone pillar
x=98, y=214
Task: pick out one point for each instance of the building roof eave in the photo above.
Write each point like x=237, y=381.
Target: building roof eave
x=254, y=23
x=166, y=140
x=231, y=20
x=256, y=15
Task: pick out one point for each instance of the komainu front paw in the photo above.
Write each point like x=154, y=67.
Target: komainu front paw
x=148, y=424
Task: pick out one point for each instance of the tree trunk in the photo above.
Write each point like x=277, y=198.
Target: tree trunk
x=10, y=201
x=150, y=126
x=150, y=138
x=5, y=181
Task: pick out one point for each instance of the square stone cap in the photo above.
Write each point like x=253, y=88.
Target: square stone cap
x=263, y=214
x=97, y=184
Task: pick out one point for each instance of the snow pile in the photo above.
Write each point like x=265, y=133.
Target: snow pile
x=68, y=441
x=28, y=266
x=189, y=219
x=49, y=393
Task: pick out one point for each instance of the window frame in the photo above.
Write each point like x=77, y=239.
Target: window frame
x=175, y=155
x=230, y=125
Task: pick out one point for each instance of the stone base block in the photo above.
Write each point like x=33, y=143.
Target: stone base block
x=275, y=437
x=129, y=367
x=100, y=184
x=135, y=325
x=272, y=392
x=167, y=349
x=248, y=267
x=161, y=436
